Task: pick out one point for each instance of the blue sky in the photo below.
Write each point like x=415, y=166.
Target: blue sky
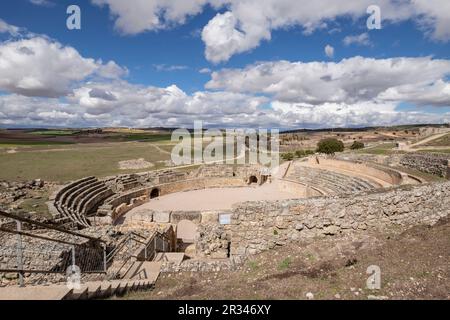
x=152, y=57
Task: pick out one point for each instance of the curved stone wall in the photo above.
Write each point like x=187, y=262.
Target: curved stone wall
x=116, y=204
x=263, y=225
x=301, y=189
x=111, y=197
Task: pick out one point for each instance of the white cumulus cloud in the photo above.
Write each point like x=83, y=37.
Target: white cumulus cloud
x=362, y=39
x=241, y=25
x=8, y=28
x=348, y=81
x=329, y=51
x=41, y=67
x=147, y=15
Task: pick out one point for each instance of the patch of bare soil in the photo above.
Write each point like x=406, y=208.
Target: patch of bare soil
x=414, y=265
x=135, y=164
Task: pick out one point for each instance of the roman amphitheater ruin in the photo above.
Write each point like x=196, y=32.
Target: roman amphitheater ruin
x=127, y=229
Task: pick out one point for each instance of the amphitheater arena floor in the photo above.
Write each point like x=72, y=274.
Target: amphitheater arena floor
x=214, y=198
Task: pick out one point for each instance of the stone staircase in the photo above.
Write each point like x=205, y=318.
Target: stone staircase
x=136, y=276
x=141, y=276
x=89, y=290
x=129, y=265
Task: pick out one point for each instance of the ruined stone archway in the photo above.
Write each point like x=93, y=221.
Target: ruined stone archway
x=252, y=180
x=155, y=193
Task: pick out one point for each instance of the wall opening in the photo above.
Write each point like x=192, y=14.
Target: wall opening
x=155, y=193
x=253, y=180
x=186, y=231
x=186, y=235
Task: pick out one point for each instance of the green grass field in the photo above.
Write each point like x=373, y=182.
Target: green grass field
x=381, y=149
x=9, y=144
x=53, y=132
x=441, y=142
x=75, y=161
x=435, y=150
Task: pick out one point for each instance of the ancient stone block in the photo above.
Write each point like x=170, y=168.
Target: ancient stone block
x=221, y=254
x=281, y=222
x=331, y=230
x=299, y=226
x=297, y=209
x=210, y=217
x=194, y=216
x=161, y=217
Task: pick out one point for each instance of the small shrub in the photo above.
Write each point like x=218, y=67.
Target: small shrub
x=300, y=153
x=357, y=145
x=285, y=264
x=253, y=265
x=330, y=146
x=289, y=156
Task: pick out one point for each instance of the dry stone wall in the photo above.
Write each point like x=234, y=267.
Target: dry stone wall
x=260, y=226
x=386, y=160
x=437, y=164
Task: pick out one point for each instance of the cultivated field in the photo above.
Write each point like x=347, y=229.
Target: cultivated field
x=64, y=155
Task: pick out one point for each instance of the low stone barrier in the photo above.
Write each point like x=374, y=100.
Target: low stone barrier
x=263, y=225
x=201, y=266
x=437, y=164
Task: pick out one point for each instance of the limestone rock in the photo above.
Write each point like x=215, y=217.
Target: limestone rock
x=281, y=222
x=210, y=217
x=161, y=217
x=299, y=226
x=331, y=230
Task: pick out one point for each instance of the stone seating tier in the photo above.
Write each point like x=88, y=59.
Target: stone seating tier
x=330, y=182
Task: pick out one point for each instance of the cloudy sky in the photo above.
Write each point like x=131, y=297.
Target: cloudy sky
x=231, y=63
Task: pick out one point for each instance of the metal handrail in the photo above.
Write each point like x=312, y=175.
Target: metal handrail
x=118, y=247
x=145, y=248
x=107, y=257
x=46, y=226
x=38, y=237
x=125, y=240
x=20, y=248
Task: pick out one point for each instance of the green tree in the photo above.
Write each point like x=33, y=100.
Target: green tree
x=330, y=146
x=300, y=153
x=289, y=156
x=357, y=145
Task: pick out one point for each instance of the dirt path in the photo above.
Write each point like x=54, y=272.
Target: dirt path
x=413, y=147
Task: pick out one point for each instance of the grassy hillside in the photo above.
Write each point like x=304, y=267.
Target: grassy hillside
x=72, y=162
